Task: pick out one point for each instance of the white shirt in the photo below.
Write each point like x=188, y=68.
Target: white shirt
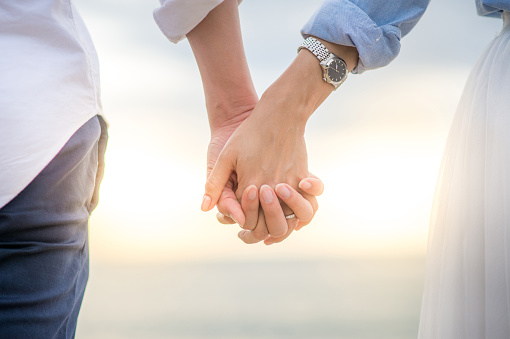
x=176, y=18
x=49, y=86
x=49, y=79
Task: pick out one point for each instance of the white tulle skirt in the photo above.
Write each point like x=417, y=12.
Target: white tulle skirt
x=467, y=284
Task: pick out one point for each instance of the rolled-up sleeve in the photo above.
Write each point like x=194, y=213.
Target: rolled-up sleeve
x=176, y=18
x=492, y=8
x=374, y=27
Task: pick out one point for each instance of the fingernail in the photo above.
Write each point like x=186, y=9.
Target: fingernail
x=305, y=185
x=242, y=234
x=283, y=191
x=252, y=193
x=206, y=202
x=266, y=194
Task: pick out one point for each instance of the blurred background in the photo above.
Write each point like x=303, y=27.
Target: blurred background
x=161, y=268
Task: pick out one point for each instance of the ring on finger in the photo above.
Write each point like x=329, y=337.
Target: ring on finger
x=290, y=216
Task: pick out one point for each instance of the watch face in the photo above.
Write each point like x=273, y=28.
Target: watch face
x=336, y=70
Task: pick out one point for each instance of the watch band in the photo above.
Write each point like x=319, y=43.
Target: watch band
x=316, y=47
x=334, y=69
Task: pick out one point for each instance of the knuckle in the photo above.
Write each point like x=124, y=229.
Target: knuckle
x=246, y=237
x=315, y=204
x=260, y=234
x=293, y=224
x=278, y=232
x=249, y=226
x=211, y=184
x=246, y=240
x=222, y=208
x=303, y=223
x=308, y=216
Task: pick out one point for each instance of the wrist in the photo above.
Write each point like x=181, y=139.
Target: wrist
x=348, y=54
x=226, y=115
x=300, y=89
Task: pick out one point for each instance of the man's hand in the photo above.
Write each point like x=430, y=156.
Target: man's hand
x=228, y=204
x=266, y=149
x=217, y=45
x=247, y=215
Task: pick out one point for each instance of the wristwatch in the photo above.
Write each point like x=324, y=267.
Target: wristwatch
x=334, y=69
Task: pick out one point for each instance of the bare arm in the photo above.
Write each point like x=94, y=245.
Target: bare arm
x=275, y=133
x=230, y=99
x=218, y=48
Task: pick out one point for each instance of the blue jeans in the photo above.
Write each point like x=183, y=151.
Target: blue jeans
x=43, y=241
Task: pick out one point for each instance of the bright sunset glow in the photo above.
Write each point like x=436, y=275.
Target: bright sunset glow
x=162, y=268
x=376, y=143
x=379, y=174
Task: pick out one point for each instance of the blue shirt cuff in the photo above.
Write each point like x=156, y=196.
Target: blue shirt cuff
x=375, y=30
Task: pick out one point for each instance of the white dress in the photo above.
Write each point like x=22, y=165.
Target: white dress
x=467, y=284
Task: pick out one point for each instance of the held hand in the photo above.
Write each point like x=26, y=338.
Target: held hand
x=304, y=210
x=267, y=148
x=227, y=203
x=273, y=134
x=257, y=231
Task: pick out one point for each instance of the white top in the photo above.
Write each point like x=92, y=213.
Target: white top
x=49, y=79
x=49, y=86
x=176, y=18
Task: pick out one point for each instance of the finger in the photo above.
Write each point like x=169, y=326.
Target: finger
x=295, y=201
x=230, y=207
x=216, y=182
x=258, y=234
x=315, y=206
x=250, y=207
x=292, y=225
x=312, y=185
x=273, y=213
x=223, y=219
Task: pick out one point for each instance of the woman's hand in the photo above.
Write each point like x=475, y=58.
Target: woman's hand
x=256, y=231
x=248, y=216
x=266, y=149
x=273, y=149
x=269, y=146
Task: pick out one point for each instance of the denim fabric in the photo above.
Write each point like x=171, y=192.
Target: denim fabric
x=375, y=27
x=43, y=242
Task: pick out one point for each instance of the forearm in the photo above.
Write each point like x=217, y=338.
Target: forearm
x=300, y=90
x=218, y=48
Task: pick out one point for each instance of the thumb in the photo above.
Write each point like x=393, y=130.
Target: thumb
x=216, y=182
x=312, y=185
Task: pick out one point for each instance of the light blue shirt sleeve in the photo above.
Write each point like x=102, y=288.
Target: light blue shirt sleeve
x=374, y=27
x=492, y=8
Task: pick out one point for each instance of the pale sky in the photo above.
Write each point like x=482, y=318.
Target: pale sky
x=376, y=142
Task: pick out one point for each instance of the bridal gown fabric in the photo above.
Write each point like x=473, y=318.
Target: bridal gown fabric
x=467, y=284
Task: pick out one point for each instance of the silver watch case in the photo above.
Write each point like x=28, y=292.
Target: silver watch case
x=326, y=64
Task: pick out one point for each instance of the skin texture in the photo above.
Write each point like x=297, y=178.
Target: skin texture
x=257, y=147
